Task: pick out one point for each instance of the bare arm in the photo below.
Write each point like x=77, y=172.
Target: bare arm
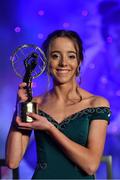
x=17, y=139
x=16, y=145
x=87, y=158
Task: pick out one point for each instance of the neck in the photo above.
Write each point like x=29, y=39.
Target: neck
x=61, y=91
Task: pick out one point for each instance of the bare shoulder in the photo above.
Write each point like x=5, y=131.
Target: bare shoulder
x=93, y=100
x=98, y=101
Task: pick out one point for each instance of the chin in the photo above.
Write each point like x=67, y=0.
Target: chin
x=64, y=80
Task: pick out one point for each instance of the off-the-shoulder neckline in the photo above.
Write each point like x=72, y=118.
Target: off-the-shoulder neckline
x=88, y=109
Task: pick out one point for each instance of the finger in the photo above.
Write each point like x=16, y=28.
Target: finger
x=18, y=118
x=23, y=124
x=22, y=98
x=34, y=115
x=24, y=128
x=22, y=94
x=22, y=85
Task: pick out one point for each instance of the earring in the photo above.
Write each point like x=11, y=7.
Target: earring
x=78, y=71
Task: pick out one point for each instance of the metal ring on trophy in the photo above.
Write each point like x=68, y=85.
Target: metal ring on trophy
x=21, y=57
x=28, y=62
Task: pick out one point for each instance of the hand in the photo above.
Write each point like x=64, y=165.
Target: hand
x=40, y=123
x=22, y=92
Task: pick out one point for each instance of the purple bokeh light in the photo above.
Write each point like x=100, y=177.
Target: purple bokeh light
x=84, y=12
x=40, y=35
x=17, y=29
x=66, y=24
x=109, y=39
x=41, y=12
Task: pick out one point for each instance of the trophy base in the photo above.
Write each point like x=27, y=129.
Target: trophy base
x=26, y=107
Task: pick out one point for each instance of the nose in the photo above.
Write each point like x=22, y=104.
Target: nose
x=63, y=61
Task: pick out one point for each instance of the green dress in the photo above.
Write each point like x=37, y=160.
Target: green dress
x=52, y=163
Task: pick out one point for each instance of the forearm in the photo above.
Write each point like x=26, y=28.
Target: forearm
x=83, y=157
x=16, y=145
x=18, y=139
x=13, y=148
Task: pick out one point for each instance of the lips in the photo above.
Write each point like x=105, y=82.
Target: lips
x=63, y=70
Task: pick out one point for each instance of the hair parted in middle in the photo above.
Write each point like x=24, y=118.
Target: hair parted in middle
x=73, y=36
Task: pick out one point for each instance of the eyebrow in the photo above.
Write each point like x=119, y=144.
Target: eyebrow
x=60, y=52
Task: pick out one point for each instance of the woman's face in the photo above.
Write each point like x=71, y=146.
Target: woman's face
x=63, y=61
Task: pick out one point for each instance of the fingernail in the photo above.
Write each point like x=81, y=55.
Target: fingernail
x=27, y=113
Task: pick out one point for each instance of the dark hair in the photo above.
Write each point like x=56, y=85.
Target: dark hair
x=72, y=35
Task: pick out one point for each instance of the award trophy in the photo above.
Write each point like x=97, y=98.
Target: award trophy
x=28, y=62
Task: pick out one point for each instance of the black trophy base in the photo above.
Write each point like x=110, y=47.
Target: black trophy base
x=26, y=107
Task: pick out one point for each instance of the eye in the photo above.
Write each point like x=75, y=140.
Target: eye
x=55, y=56
x=72, y=56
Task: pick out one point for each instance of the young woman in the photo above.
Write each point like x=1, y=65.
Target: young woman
x=70, y=127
